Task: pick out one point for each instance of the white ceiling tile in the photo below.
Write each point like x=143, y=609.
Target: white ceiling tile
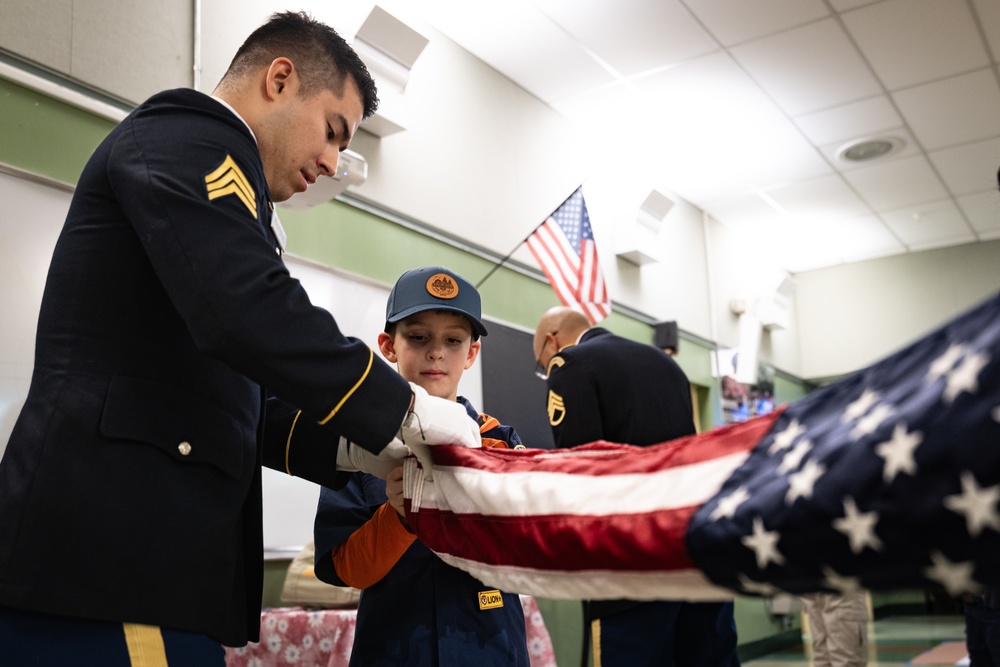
x=953, y=111
x=800, y=253
x=484, y=30
x=786, y=66
x=741, y=212
x=820, y=200
x=850, y=121
x=734, y=22
x=788, y=245
x=969, y=168
x=862, y=237
x=811, y=246
x=632, y=36
x=939, y=39
x=676, y=110
x=929, y=225
x=712, y=133
x=907, y=148
x=897, y=183
x=988, y=13
x=602, y=106
x=982, y=211
x=781, y=155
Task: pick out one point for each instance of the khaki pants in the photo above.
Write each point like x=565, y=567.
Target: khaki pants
x=838, y=624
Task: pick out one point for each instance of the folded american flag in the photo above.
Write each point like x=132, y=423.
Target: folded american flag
x=887, y=479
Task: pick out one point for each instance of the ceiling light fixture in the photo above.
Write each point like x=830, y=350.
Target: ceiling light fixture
x=866, y=150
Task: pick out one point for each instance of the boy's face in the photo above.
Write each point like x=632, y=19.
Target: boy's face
x=432, y=349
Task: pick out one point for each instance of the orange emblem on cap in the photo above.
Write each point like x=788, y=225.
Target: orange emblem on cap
x=442, y=286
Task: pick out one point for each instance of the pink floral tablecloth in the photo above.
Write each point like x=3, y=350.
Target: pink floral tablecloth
x=303, y=638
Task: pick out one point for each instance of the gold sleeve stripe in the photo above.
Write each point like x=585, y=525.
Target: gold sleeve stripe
x=231, y=189
x=288, y=444
x=228, y=172
x=228, y=179
x=364, y=376
x=145, y=645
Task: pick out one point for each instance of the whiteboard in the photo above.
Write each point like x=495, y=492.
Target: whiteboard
x=33, y=217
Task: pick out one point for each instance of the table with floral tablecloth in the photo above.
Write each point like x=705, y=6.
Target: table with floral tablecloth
x=323, y=638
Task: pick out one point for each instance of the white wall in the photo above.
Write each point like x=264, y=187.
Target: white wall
x=853, y=315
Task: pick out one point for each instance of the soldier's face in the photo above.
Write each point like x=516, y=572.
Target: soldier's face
x=303, y=137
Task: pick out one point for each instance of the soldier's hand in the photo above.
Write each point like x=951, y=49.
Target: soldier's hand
x=436, y=421
x=353, y=458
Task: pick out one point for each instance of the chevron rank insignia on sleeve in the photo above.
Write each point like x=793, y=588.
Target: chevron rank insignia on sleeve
x=228, y=179
x=556, y=408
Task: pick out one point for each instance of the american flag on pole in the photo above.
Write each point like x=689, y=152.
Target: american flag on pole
x=887, y=479
x=564, y=248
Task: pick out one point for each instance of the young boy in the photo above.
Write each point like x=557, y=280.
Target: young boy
x=414, y=609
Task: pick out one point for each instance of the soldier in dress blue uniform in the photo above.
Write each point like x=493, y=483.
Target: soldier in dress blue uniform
x=605, y=387
x=130, y=489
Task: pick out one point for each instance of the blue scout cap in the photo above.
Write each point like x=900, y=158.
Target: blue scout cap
x=434, y=288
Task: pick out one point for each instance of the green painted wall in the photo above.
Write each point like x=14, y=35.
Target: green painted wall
x=788, y=391
x=44, y=136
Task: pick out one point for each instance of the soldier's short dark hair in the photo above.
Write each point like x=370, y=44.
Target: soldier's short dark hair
x=322, y=58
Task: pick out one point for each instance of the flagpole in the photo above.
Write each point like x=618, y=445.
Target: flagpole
x=507, y=256
x=523, y=241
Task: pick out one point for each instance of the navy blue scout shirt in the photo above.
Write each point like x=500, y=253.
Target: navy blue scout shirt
x=130, y=489
x=423, y=613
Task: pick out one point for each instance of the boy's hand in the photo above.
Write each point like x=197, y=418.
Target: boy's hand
x=352, y=458
x=394, y=491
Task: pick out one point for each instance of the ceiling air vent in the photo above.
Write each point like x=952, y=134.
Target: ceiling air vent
x=866, y=150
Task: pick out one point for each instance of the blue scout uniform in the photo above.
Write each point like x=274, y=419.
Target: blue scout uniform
x=423, y=612
x=130, y=489
x=611, y=388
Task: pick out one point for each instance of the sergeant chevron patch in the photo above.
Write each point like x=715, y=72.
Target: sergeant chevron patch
x=556, y=408
x=228, y=179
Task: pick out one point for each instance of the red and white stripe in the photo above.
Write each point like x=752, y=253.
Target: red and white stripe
x=593, y=296
x=558, y=260
x=601, y=521
x=575, y=276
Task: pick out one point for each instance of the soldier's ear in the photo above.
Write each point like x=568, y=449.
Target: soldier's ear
x=280, y=73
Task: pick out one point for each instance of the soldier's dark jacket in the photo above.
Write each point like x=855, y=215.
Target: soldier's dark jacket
x=131, y=485
x=611, y=388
